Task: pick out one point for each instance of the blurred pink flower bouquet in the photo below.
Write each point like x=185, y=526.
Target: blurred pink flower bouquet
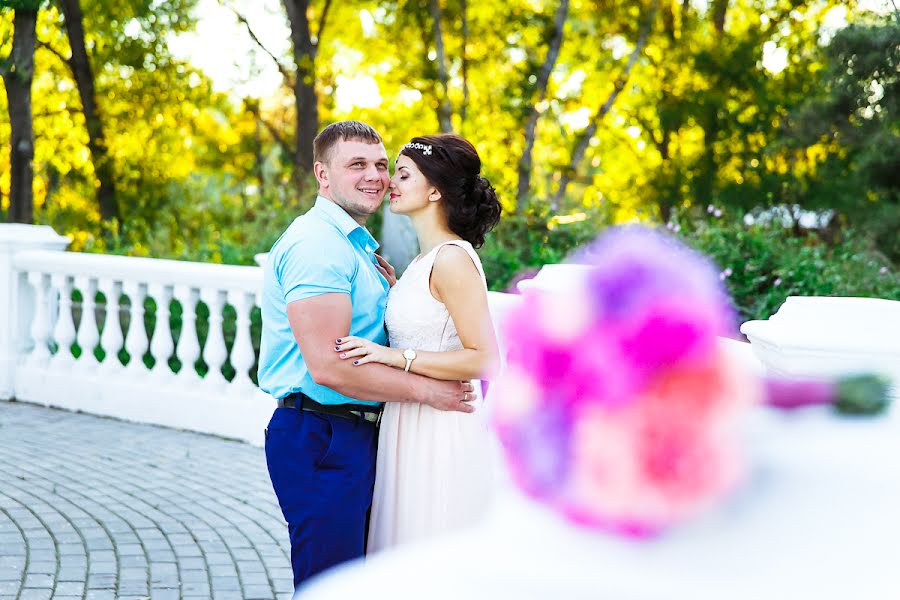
x=617, y=407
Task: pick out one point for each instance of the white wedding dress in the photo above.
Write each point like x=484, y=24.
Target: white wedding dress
x=434, y=470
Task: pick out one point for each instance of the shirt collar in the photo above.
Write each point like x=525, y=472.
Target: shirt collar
x=346, y=224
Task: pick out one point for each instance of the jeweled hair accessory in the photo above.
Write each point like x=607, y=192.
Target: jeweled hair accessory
x=425, y=148
x=617, y=407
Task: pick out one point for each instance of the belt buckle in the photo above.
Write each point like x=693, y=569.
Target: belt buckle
x=368, y=417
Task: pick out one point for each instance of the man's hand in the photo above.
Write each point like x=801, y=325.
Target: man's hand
x=452, y=396
x=386, y=270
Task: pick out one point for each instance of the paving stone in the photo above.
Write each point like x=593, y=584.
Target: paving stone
x=103, y=568
x=132, y=561
x=69, y=588
x=225, y=583
x=255, y=579
x=161, y=556
x=69, y=574
x=195, y=589
x=38, y=580
x=165, y=594
x=194, y=576
x=11, y=559
x=36, y=594
x=140, y=512
x=9, y=589
x=101, y=581
x=133, y=589
x=11, y=573
x=257, y=592
x=222, y=571
x=133, y=574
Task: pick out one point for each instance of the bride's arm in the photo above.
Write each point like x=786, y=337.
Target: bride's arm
x=456, y=282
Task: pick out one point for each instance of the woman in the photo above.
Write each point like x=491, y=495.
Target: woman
x=433, y=469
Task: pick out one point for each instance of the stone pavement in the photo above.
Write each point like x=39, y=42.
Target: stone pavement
x=97, y=508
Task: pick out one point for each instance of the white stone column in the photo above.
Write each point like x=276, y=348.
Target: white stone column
x=16, y=297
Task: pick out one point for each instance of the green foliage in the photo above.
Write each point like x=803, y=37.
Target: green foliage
x=764, y=263
x=21, y=4
x=855, y=120
x=522, y=244
x=205, y=176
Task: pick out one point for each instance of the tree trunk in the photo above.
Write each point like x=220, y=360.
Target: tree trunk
x=706, y=182
x=719, y=9
x=444, y=110
x=17, y=76
x=584, y=139
x=84, y=79
x=305, y=99
x=525, y=166
x=465, y=65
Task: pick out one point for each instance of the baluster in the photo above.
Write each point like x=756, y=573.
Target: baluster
x=136, y=340
x=242, y=352
x=214, y=352
x=111, y=340
x=88, y=336
x=64, y=332
x=188, y=350
x=161, y=346
x=40, y=326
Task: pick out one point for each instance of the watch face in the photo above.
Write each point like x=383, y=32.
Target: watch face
x=409, y=353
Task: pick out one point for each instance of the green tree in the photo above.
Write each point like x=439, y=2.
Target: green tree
x=17, y=70
x=855, y=122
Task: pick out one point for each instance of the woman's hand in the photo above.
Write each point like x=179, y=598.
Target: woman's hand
x=386, y=270
x=364, y=351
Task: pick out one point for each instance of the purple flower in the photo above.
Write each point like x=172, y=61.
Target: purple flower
x=717, y=213
x=883, y=270
x=777, y=281
x=628, y=399
x=710, y=208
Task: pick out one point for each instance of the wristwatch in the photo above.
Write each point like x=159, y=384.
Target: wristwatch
x=410, y=355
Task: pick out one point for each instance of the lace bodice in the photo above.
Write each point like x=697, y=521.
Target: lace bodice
x=414, y=318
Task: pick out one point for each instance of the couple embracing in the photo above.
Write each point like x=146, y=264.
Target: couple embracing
x=374, y=443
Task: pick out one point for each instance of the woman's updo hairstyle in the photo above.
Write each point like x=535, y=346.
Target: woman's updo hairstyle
x=451, y=164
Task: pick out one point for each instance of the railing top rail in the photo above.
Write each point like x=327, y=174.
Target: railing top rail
x=144, y=270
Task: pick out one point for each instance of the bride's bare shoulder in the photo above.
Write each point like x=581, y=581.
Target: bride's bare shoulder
x=454, y=261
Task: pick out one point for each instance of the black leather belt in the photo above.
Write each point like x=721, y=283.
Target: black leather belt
x=301, y=401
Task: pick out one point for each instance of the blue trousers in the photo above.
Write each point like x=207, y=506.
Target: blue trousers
x=323, y=471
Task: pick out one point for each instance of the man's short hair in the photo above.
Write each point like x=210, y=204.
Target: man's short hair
x=342, y=130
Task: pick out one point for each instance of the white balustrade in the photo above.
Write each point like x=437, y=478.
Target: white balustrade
x=64, y=331
x=88, y=335
x=47, y=279
x=215, y=354
x=161, y=346
x=188, y=345
x=40, y=327
x=111, y=339
x=242, y=357
x=136, y=340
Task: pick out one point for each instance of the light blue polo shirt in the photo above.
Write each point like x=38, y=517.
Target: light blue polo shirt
x=323, y=251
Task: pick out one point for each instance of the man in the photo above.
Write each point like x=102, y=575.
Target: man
x=323, y=282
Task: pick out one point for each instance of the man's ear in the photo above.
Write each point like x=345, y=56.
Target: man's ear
x=321, y=172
